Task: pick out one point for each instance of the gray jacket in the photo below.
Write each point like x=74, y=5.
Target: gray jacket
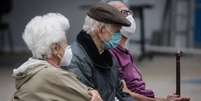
x=96, y=71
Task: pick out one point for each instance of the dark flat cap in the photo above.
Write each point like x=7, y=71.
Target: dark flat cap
x=103, y=12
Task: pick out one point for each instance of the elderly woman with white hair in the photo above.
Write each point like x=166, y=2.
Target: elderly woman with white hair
x=40, y=78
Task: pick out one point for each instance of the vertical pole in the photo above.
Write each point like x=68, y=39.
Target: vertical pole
x=178, y=74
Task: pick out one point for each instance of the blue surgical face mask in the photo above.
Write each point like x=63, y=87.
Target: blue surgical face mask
x=114, y=42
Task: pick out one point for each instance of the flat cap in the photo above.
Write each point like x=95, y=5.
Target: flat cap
x=104, y=12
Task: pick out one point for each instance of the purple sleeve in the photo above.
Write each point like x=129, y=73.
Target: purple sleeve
x=134, y=80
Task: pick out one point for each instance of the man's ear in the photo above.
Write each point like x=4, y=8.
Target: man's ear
x=102, y=29
x=99, y=32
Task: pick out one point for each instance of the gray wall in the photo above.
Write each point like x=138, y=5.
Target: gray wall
x=24, y=10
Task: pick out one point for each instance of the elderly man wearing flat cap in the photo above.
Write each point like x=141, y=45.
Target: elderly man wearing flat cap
x=91, y=61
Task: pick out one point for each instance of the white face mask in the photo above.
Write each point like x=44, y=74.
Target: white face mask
x=127, y=31
x=67, y=56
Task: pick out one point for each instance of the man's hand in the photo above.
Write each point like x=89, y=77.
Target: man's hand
x=125, y=88
x=95, y=96
x=177, y=98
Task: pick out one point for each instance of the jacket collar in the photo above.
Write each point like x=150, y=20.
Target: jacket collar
x=103, y=60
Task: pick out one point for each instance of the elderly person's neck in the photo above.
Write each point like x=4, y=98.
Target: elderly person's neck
x=123, y=42
x=99, y=44
x=54, y=61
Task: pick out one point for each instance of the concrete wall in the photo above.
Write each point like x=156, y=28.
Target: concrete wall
x=24, y=10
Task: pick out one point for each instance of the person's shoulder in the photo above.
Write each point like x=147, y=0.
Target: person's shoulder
x=47, y=72
x=51, y=71
x=45, y=76
x=75, y=46
x=62, y=72
x=79, y=54
x=54, y=75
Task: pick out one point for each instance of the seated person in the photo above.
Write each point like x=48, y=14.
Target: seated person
x=40, y=78
x=92, y=62
x=129, y=71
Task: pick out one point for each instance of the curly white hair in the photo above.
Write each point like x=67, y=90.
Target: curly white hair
x=42, y=31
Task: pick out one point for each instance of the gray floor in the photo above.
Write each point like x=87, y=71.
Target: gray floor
x=159, y=74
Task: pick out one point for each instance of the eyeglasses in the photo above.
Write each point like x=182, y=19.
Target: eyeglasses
x=126, y=12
